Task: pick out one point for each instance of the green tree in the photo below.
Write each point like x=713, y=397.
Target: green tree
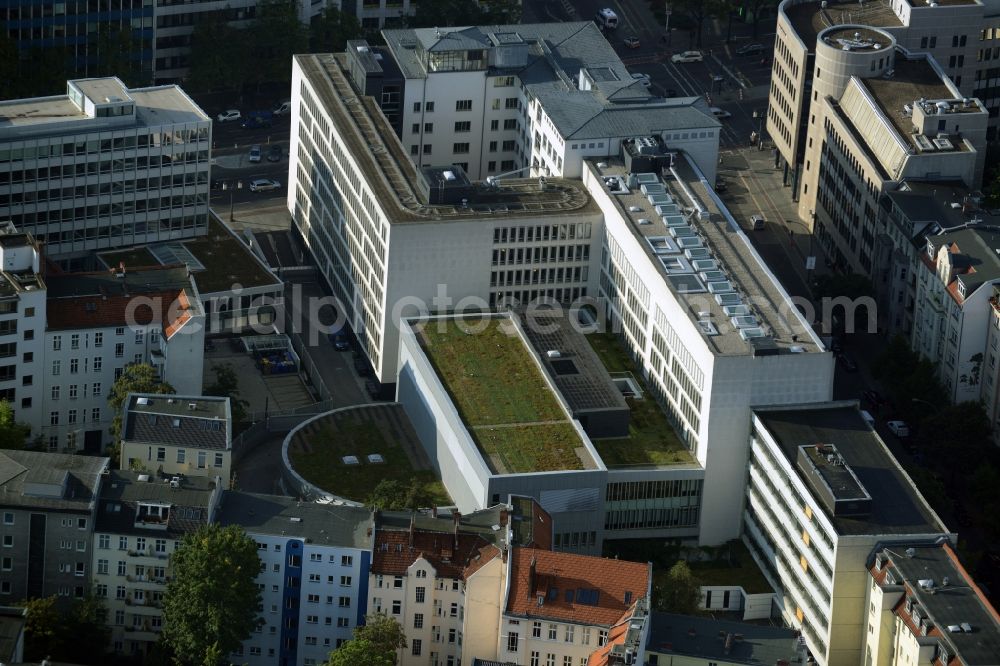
x=226, y=385
x=277, y=34
x=135, y=378
x=219, y=55
x=957, y=438
x=10, y=63
x=117, y=52
x=13, y=435
x=699, y=11
x=76, y=632
x=387, y=495
x=330, y=31
x=211, y=603
x=375, y=643
x=442, y=13
x=681, y=590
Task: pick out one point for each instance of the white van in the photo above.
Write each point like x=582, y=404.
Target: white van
x=869, y=419
x=606, y=19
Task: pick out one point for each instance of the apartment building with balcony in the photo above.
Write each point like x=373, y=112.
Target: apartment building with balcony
x=177, y=435
x=953, y=317
x=823, y=491
x=923, y=607
x=49, y=503
x=104, y=166
x=141, y=519
x=314, y=575
x=22, y=324
x=531, y=98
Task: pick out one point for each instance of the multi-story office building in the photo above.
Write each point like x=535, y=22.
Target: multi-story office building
x=923, y=607
x=75, y=30
x=177, y=434
x=534, y=98
x=955, y=281
x=314, y=575
x=141, y=520
x=401, y=240
x=872, y=136
x=823, y=491
x=49, y=503
x=961, y=35
x=96, y=324
x=105, y=166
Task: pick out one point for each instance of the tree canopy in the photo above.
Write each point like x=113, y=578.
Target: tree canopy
x=391, y=495
x=681, y=590
x=75, y=633
x=330, y=31
x=211, y=603
x=374, y=644
x=12, y=433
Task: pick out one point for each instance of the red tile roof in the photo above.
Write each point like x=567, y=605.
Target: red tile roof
x=616, y=636
x=556, y=573
x=170, y=308
x=394, y=555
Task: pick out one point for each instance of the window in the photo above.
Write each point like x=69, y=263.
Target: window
x=98, y=363
x=180, y=456
x=119, y=350
x=416, y=646
x=419, y=594
x=451, y=635
x=202, y=459
x=95, y=389
x=29, y=334
x=493, y=146
x=343, y=622
x=512, y=641
x=104, y=541
x=122, y=543
x=495, y=124
x=218, y=460
x=27, y=380
x=397, y=582
x=53, y=418
x=427, y=149
x=463, y=126
x=416, y=107
x=429, y=107
x=347, y=560
x=418, y=620
x=55, y=392
x=460, y=148
x=416, y=128
x=534, y=658
x=510, y=103
x=415, y=149
x=72, y=391
x=428, y=128
x=602, y=638
x=552, y=631
x=344, y=602
x=74, y=341
x=99, y=339
x=8, y=540
x=569, y=633
x=56, y=367
x=71, y=416
x=397, y=607
x=345, y=581
x=463, y=105
x=312, y=619
x=74, y=366
x=536, y=630
x=56, y=342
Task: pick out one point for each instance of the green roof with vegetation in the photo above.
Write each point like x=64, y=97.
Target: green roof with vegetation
x=501, y=395
x=652, y=441
x=317, y=450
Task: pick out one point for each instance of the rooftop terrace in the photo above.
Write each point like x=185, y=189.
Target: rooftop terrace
x=218, y=260
x=393, y=177
x=809, y=18
x=498, y=389
x=896, y=505
x=707, y=261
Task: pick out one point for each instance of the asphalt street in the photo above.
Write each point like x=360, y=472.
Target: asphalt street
x=232, y=169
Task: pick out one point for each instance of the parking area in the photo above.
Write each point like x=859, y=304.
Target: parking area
x=262, y=392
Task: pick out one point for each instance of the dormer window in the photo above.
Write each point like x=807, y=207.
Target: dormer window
x=930, y=249
x=961, y=288
x=152, y=514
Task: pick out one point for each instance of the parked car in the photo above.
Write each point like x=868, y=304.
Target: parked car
x=255, y=153
x=632, y=42
x=750, y=49
x=282, y=109
x=687, y=56
x=274, y=154
x=898, y=428
x=847, y=363
x=340, y=341
x=756, y=222
x=264, y=185
x=257, y=120
x=721, y=114
x=229, y=115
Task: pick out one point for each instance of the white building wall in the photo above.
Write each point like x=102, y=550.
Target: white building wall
x=23, y=327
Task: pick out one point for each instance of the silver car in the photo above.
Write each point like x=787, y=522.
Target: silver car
x=264, y=185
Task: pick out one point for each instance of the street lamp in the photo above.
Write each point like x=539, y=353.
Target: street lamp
x=666, y=26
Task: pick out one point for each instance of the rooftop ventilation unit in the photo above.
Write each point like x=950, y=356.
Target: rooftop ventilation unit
x=721, y=287
x=751, y=333
x=635, y=209
x=736, y=310
x=698, y=253
x=923, y=143
x=728, y=299
x=713, y=276
x=708, y=328
x=943, y=142
x=643, y=221
x=142, y=401
x=687, y=243
x=745, y=321
x=705, y=265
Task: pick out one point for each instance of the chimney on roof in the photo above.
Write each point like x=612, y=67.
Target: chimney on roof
x=413, y=518
x=531, y=577
x=504, y=515
x=456, y=517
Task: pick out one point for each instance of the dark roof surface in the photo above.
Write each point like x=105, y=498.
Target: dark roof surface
x=123, y=491
x=976, y=261
x=706, y=638
x=897, y=506
x=167, y=419
x=83, y=479
x=322, y=524
x=951, y=605
x=578, y=372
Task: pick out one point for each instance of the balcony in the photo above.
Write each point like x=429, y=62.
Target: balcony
x=151, y=521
